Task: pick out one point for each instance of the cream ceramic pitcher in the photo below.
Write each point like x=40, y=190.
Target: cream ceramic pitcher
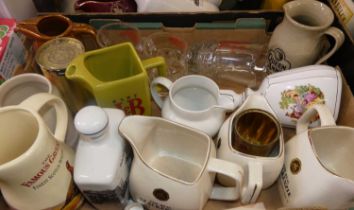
x=174, y=166
x=35, y=165
x=299, y=40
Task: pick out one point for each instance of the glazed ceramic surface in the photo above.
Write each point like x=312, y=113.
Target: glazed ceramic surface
x=116, y=77
x=195, y=101
x=262, y=171
x=299, y=39
x=22, y=86
x=178, y=165
x=317, y=169
x=35, y=165
x=291, y=93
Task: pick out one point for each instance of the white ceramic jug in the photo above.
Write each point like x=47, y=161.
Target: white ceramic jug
x=264, y=170
x=196, y=101
x=35, y=165
x=318, y=168
x=174, y=166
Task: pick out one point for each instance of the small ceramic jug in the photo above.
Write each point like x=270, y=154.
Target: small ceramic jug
x=195, y=101
x=299, y=39
x=36, y=167
x=44, y=28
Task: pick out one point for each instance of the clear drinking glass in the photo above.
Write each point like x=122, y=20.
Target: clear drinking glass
x=172, y=47
x=118, y=32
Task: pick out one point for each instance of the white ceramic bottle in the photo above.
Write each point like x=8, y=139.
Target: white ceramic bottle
x=103, y=157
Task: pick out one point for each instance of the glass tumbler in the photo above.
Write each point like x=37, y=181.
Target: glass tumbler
x=173, y=48
x=118, y=32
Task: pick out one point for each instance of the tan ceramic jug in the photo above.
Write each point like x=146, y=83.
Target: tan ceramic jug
x=35, y=165
x=47, y=27
x=300, y=39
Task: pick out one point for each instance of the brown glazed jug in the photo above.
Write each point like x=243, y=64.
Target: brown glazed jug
x=44, y=28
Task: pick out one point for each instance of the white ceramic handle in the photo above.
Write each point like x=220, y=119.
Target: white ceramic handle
x=231, y=170
x=38, y=101
x=229, y=100
x=338, y=36
x=326, y=117
x=163, y=81
x=251, y=192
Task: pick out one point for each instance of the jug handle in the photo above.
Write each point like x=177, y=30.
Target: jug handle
x=229, y=100
x=40, y=100
x=158, y=62
x=251, y=192
x=326, y=117
x=79, y=28
x=231, y=170
x=338, y=36
x=156, y=85
x=29, y=28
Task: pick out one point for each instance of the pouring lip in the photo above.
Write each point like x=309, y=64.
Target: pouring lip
x=312, y=28
x=311, y=142
x=189, y=112
x=139, y=155
x=23, y=156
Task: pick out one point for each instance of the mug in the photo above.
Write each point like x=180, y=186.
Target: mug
x=116, y=77
x=35, y=165
x=196, y=101
x=174, y=166
x=317, y=169
x=262, y=162
x=299, y=39
x=47, y=27
x=22, y=86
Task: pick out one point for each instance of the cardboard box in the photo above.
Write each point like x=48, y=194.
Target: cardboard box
x=240, y=32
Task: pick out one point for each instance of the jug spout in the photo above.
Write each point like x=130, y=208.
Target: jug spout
x=136, y=130
x=229, y=100
x=75, y=71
